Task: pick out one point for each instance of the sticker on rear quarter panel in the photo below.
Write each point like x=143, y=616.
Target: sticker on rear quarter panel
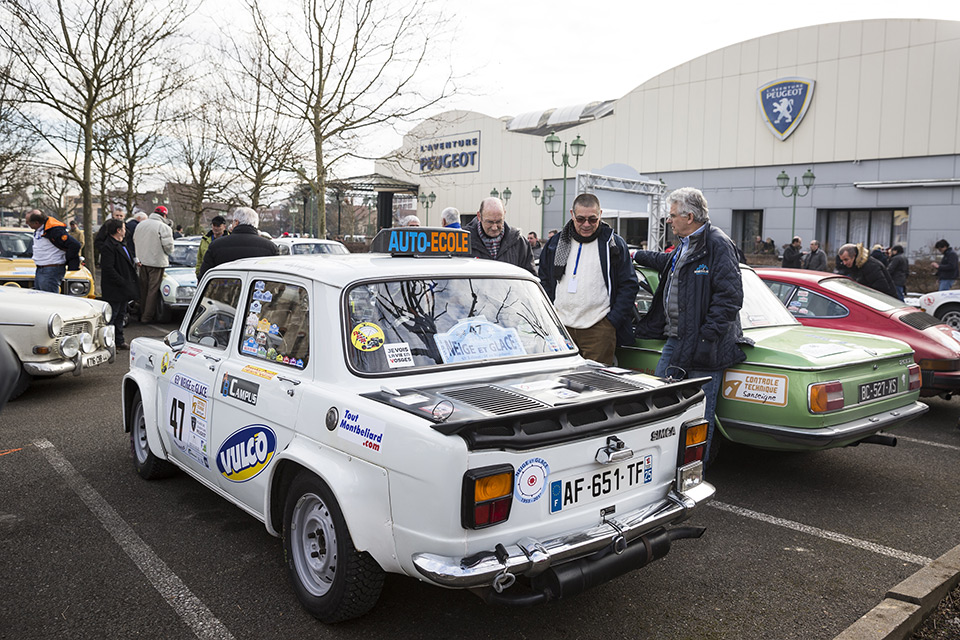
x=531, y=479
x=749, y=386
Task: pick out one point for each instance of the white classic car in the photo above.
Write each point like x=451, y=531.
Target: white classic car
x=179, y=282
x=53, y=334
x=427, y=417
x=306, y=246
x=945, y=305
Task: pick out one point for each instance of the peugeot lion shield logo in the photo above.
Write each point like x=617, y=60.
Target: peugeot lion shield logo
x=783, y=104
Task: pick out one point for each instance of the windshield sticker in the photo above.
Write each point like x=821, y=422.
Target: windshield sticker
x=478, y=339
x=256, y=306
x=252, y=320
x=367, y=336
x=749, y=386
x=246, y=453
x=259, y=285
x=398, y=355
x=821, y=350
x=263, y=326
x=531, y=479
x=366, y=432
x=539, y=385
x=249, y=346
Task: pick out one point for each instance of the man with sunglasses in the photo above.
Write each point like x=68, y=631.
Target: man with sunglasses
x=586, y=271
x=697, y=303
x=492, y=239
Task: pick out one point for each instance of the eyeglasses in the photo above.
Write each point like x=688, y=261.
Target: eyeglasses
x=584, y=219
x=492, y=223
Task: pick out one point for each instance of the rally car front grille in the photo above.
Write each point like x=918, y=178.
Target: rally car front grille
x=920, y=320
x=496, y=400
x=76, y=328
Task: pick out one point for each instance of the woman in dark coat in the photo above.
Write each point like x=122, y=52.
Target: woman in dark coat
x=118, y=277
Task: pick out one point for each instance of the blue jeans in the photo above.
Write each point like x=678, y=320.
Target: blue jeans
x=49, y=278
x=902, y=291
x=710, y=389
x=946, y=284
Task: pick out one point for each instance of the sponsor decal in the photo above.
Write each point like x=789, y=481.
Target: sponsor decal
x=702, y=270
x=266, y=374
x=761, y=388
x=783, y=103
x=246, y=452
x=165, y=363
x=239, y=389
x=477, y=338
x=367, y=432
x=367, y=336
x=531, y=480
x=191, y=385
x=398, y=355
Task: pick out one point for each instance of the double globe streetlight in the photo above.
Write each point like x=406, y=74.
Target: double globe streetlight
x=426, y=201
x=577, y=147
x=504, y=195
x=783, y=181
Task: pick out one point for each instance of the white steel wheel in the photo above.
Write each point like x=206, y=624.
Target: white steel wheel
x=147, y=465
x=950, y=315
x=333, y=580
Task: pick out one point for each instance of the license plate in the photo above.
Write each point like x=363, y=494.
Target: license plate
x=95, y=359
x=597, y=485
x=878, y=389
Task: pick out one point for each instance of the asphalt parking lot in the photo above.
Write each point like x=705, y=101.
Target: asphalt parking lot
x=797, y=545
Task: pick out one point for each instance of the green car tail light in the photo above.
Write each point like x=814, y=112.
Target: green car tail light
x=915, y=377
x=825, y=396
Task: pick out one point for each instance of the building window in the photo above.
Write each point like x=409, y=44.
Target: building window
x=747, y=226
x=886, y=227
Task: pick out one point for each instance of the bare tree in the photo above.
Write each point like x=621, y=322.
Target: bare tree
x=351, y=67
x=199, y=163
x=17, y=141
x=263, y=145
x=73, y=58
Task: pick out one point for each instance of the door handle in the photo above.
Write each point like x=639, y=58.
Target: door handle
x=292, y=381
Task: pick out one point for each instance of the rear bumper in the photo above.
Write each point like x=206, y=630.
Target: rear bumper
x=530, y=557
x=769, y=436
x=935, y=382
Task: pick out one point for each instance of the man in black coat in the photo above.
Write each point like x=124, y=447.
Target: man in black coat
x=697, y=304
x=118, y=276
x=793, y=254
x=244, y=241
x=866, y=269
x=899, y=269
x=947, y=269
x=492, y=239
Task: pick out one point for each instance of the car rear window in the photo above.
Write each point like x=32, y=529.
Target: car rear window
x=761, y=308
x=403, y=326
x=864, y=295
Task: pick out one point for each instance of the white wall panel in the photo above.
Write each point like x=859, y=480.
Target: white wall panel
x=920, y=95
x=891, y=101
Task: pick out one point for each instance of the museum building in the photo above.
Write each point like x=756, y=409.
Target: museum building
x=858, y=120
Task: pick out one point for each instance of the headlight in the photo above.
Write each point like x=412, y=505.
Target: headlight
x=55, y=325
x=78, y=287
x=107, y=336
x=69, y=346
x=86, y=343
x=107, y=314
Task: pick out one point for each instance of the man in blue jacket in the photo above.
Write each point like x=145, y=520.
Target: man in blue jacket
x=697, y=304
x=586, y=271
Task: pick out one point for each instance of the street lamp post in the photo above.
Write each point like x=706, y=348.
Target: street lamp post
x=504, y=195
x=543, y=201
x=426, y=201
x=577, y=147
x=783, y=181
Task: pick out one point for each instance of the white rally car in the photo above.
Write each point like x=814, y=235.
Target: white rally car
x=944, y=305
x=428, y=417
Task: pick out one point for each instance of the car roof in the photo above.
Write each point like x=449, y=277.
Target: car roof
x=806, y=276
x=289, y=240
x=341, y=270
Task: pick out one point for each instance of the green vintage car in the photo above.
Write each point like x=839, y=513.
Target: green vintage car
x=800, y=388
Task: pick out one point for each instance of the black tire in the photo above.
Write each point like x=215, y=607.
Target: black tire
x=333, y=581
x=164, y=312
x=950, y=314
x=23, y=381
x=147, y=465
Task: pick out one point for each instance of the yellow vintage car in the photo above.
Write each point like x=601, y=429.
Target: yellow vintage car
x=17, y=268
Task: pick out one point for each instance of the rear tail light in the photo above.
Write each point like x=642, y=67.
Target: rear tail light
x=486, y=496
x=915, y=381
x=693, y=441
x=826, y=396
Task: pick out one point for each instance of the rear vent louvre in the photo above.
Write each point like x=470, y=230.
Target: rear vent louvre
x=494, y=400
x=603, y=382
x=920, y=320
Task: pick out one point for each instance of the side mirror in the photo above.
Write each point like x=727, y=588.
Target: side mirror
x=175, y=340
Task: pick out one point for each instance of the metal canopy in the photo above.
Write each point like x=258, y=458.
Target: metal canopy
x=373, y=182
x=593, y=182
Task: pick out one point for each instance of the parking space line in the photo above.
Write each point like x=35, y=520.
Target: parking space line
x=823, y=533
x=190, y=609
x=932, y=444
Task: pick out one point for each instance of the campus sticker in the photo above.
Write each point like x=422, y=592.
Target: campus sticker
x=749, y=386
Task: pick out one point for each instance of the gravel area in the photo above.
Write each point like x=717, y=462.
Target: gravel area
x=944, y=622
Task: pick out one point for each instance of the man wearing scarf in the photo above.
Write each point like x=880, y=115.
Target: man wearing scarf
x=697, y=303
x=492, y=239
x=586, y=271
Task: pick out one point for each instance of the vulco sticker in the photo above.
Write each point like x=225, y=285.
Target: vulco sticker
x=762, y=388
x=531, y=480
x=246, y=453
x=367, y=336
x=367, y=432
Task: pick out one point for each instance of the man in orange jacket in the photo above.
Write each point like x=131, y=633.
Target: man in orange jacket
x=54, y=251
